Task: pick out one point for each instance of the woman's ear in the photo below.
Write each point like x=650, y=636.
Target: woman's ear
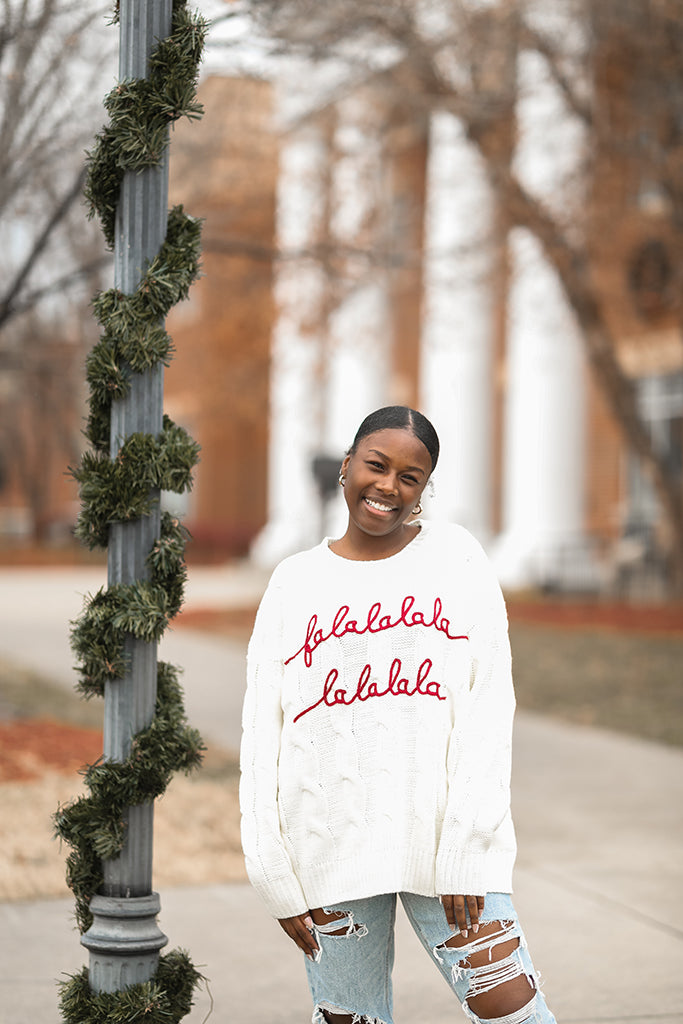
x=344, y=466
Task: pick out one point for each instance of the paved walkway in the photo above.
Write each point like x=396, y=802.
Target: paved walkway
x=599, y=878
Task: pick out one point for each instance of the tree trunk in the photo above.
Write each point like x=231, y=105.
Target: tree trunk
x=601, y=350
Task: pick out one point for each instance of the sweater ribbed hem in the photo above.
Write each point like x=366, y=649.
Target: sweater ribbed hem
x=358, y=877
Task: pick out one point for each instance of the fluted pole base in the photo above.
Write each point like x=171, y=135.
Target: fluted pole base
x=124, y=941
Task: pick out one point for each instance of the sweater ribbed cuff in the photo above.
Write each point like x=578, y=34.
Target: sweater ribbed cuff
x=475, y=872
x=283, y=897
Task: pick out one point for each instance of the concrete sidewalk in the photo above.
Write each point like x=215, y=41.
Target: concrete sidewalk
x=599, y=878
x=38, y=605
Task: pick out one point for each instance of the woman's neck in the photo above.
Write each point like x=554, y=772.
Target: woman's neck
x=360, y=547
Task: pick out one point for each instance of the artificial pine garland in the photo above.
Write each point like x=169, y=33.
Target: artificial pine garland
x=143, y=608
x=140, y=112
x=122, y=489
x=164, y=1000
x=93, y=826
x=118, y=490
x=133, y=338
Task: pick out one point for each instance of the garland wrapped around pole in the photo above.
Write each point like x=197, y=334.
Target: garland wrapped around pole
x=134, y=455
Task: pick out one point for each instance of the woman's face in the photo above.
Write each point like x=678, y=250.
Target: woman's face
x=384, y=480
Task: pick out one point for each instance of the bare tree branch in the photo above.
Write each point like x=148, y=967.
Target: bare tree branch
x=534, y=40
x=30, y=299
x=8, y=300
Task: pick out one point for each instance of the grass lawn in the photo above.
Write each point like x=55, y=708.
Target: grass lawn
x=24, y=694
x=630, y=682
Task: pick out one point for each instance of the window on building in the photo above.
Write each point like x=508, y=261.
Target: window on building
x=660, y=400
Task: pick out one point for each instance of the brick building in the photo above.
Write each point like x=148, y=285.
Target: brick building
x=355, y=255
x=224, y=169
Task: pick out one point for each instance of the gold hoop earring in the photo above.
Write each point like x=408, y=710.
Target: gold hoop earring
x=342, y=480
x=417, y=511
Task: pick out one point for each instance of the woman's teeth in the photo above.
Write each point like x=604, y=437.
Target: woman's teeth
x=380, y=508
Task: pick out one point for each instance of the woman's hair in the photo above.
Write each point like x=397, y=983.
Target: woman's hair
x=400, y=417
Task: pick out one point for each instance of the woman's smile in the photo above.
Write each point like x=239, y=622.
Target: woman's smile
x=379, y=507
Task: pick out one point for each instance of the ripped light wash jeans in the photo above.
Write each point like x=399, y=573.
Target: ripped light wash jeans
x=352, y=973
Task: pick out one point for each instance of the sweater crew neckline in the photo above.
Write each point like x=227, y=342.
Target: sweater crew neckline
x=416, y=541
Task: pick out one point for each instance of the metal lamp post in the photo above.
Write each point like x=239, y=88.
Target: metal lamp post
x=124, y=939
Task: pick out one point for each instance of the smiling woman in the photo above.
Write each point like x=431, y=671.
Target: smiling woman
x=376, y=747
x=384, y=474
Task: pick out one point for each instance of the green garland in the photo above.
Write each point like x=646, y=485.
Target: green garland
x=133, y=339
x=140, y=112
x=94, y=825
x=164, y=1000
x=122, y=489
x=118, y=490
x=143, y=609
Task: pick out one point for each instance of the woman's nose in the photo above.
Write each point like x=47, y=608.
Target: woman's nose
x=388, y=484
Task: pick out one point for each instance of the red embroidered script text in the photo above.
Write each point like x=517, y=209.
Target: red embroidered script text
x=396, y=687
x=375, y=623
x=396, y=684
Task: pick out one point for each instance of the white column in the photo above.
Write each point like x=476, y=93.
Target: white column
x=544, y=442
x=359, y=326
x=544, y=426
x=458, y=327
x=293, y=501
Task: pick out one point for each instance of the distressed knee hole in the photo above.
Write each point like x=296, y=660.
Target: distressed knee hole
x=496, y=974
x=499, y=986
x=337, y=922
x=483, y=946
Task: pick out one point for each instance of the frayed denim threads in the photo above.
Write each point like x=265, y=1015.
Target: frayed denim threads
x=352, y=973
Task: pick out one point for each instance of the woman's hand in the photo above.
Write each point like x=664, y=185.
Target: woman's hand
x=456, y=908
x=300, y=930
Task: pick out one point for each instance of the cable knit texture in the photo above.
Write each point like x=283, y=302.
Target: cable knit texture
x=377, y=727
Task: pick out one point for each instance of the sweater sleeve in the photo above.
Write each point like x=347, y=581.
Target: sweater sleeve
x=267, y=861
x=479, y=755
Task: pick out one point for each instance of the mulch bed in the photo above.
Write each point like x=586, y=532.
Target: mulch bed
x=32, y=747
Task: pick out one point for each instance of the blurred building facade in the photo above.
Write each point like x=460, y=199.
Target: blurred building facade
x=42, y=391
x=356, y=256
x=421, y=296
x=224, y=170
x=378, y=270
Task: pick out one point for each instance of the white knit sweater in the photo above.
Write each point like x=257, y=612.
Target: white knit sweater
x=377, y=727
